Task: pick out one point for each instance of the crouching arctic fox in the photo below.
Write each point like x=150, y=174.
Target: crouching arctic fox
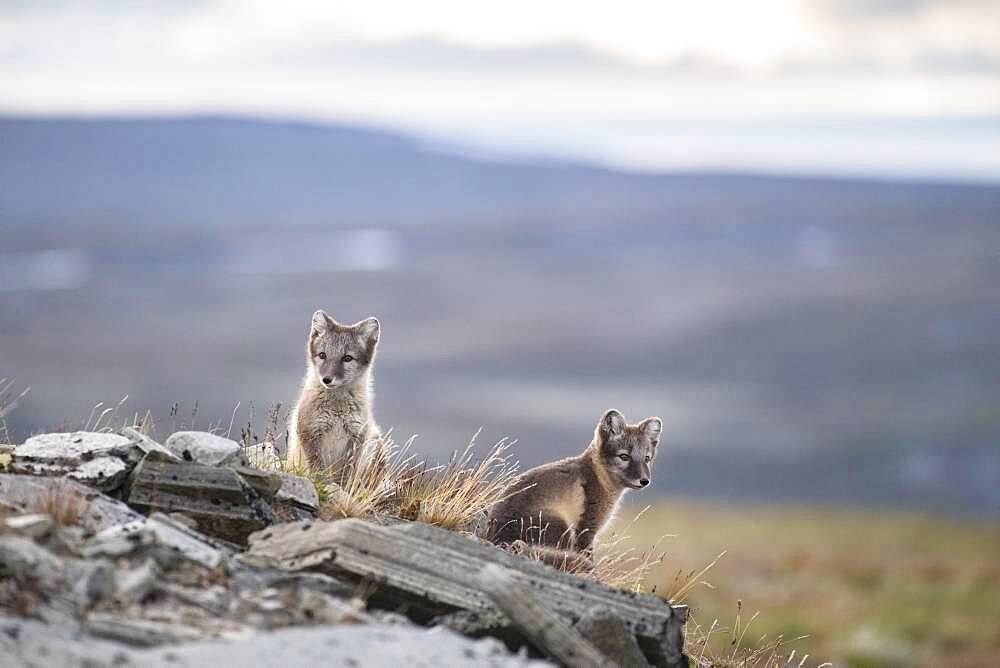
x=556, y=509
x=333, y=417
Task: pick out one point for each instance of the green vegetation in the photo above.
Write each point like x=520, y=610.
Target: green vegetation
x=869, y=588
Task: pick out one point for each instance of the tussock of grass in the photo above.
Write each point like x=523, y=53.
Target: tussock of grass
x=459, y=494
x=738, y=652
x=65, y=509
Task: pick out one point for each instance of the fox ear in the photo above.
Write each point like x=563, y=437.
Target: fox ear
x=321, y=322
x=612, y=425
x=369, y=329
x=651, y=427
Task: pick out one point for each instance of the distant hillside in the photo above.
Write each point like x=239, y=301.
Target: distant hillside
x=802, y=338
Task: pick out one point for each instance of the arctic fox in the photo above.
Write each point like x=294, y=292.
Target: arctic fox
x=556, y=509
x=333, y=417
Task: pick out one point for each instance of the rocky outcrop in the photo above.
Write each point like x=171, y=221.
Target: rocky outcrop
x=181, y=554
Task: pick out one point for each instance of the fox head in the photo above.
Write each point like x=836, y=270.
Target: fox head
x=340, y=355
x=627, y=450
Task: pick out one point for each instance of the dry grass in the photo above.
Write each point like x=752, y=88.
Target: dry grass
x=9, y=398
x=66, y=509
x=739, y=652
x=459, y=494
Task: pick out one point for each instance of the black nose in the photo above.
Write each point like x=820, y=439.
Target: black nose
x=644, y=482
x=327, y=381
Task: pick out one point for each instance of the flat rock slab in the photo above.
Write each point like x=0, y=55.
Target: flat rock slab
x=423, y=566
x=217, y=499
x=205, y=448
x=27, y=642
x=97, y=459
x=69, y=448
x=35, y=494
x=299, y=491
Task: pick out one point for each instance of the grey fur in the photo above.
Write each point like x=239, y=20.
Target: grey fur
x=562, y=505
x=333, y=416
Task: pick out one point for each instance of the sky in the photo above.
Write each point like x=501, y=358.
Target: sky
x=893, y=88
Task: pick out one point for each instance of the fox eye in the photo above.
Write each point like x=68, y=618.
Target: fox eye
x=648, y=459
x=346, y=358
x=322, y=356
x=624, y=457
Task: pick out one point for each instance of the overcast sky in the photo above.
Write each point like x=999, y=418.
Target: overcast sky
x=883, y=87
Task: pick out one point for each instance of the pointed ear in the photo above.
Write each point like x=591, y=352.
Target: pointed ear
x=611, y=426
x=651, y=427
x=321, y=322
x=370, y=329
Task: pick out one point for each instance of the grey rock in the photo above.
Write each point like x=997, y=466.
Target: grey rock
x=435, y=571
x=69, y=448
x=92, y=582
x=146, y=444
x=104, y=473
x=263, y=456
x=27, y=493
x=23, y=641
x=124, y=539
x=134, y=584
x=299, y=491
x=607, y=633
x=97, y=459
x=34, y=525
x=222, y=502
x=205, y=448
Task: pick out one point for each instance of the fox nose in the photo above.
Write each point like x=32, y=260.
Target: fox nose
x=327, y=380
x=644, y=481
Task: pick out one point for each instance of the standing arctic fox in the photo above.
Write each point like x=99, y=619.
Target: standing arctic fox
x=333, y=417
x=562, y=505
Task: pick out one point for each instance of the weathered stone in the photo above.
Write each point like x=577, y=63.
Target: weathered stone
x=34, y=525
x=433, y=571
x=146, y=444
x=104, y=473
x=124, y=539
x=549, y=634
x=33, y=494
x=263, y=456
x=92, y=582
x=70, y=448
x=23, y=641
x=205, y=448
x=299, y=491
x=134, y=584
x=97, y=459
x=608, y=634
x=140, y=632
x=216, y=498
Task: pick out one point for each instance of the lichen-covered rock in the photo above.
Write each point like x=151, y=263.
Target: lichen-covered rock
x=96, y=459
x=205, y=448
x=69, y=448
x=299, y=491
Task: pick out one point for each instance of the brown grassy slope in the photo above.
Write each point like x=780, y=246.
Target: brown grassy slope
x=869, y=588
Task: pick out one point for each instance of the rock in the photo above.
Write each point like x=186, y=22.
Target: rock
x=607, y=633
x=104, y=473
x=132, y=585
x=298, y=491
x=97, y=459
x=24, y=641
x=433, y=571
x=217, y=498
x=92, y=582
x=34, y=525
x=263, y=456
x=140, y=632
x=204, y=448
x=161, y=530
x=34, y=494
x=146, y=444
x=70, y=448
